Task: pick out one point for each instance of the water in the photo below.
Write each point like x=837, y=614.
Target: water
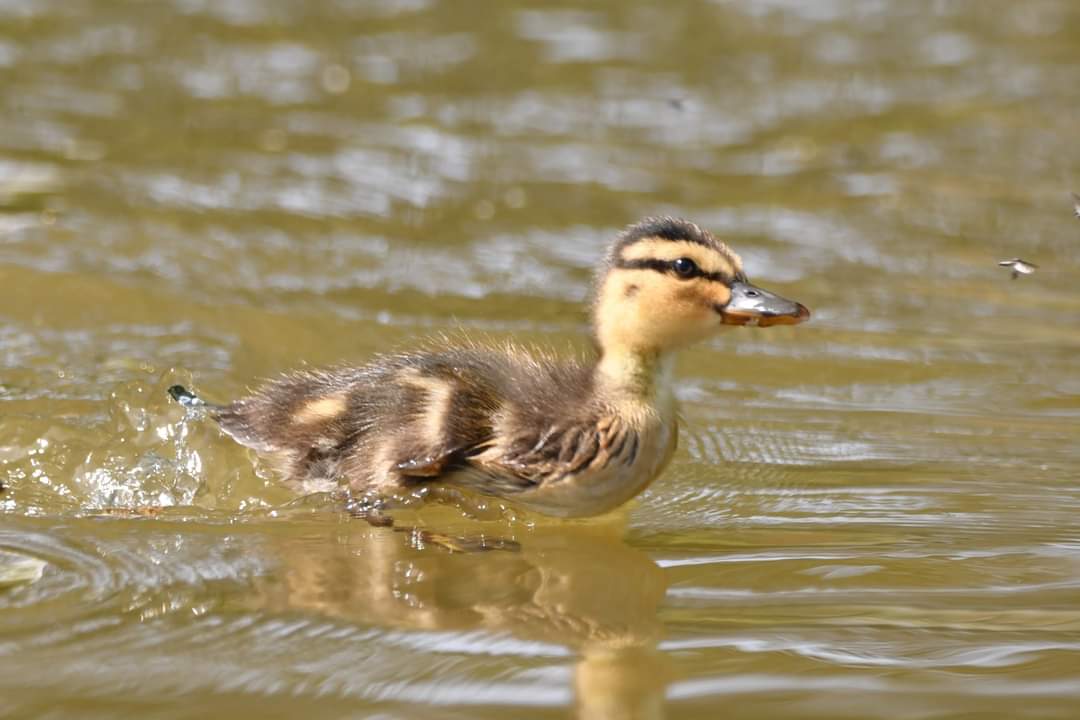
x=874, y=515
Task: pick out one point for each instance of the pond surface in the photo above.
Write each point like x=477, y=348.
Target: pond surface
x=873, y=515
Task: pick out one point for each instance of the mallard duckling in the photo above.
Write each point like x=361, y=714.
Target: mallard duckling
x=560, y=437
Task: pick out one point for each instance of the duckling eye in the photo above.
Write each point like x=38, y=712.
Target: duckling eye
x=685, y=267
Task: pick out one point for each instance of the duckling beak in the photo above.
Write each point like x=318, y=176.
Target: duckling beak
x=750, y=305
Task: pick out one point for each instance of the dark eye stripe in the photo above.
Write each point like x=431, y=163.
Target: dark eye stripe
x=668, y=266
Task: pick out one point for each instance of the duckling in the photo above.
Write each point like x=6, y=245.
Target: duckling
x=564, y=438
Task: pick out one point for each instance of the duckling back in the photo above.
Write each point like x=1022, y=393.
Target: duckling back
x=412, y=418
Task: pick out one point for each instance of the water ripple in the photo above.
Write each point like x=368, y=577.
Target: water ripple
x=93, y=582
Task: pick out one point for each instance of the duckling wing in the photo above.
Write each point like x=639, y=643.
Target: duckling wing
x=494, y=421
x=548, y=453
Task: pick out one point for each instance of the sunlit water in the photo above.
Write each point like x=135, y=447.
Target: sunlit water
x=875, y=515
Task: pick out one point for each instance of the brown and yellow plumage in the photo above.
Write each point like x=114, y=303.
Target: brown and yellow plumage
x=567, y=438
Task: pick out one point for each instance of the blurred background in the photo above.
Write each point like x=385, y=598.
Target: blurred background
x=874, y=515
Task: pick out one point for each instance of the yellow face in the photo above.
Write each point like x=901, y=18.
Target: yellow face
x=669, y=284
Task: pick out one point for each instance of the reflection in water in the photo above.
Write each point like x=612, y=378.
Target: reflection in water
x=581, y=587
x=319, y=607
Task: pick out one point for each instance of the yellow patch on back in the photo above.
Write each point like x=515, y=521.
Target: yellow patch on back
x=322, y=409
x=438, y=395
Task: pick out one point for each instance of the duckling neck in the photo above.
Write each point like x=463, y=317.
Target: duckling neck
x=643, y=376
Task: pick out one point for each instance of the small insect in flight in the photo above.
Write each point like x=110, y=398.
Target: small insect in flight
x=1018, y=267
x=1076, y=205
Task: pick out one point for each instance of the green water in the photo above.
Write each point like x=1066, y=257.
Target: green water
x=873, y=515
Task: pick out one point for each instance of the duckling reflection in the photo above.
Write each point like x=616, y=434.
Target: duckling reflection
x=577, y=586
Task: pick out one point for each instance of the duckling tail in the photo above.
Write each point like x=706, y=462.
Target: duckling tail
x=185, y=397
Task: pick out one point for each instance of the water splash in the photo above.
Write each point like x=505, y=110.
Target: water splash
x=143, y=453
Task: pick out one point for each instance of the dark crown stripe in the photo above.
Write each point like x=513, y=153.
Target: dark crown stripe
x=667, y=229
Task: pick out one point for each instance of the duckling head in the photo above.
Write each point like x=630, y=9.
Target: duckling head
x=667, y=283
